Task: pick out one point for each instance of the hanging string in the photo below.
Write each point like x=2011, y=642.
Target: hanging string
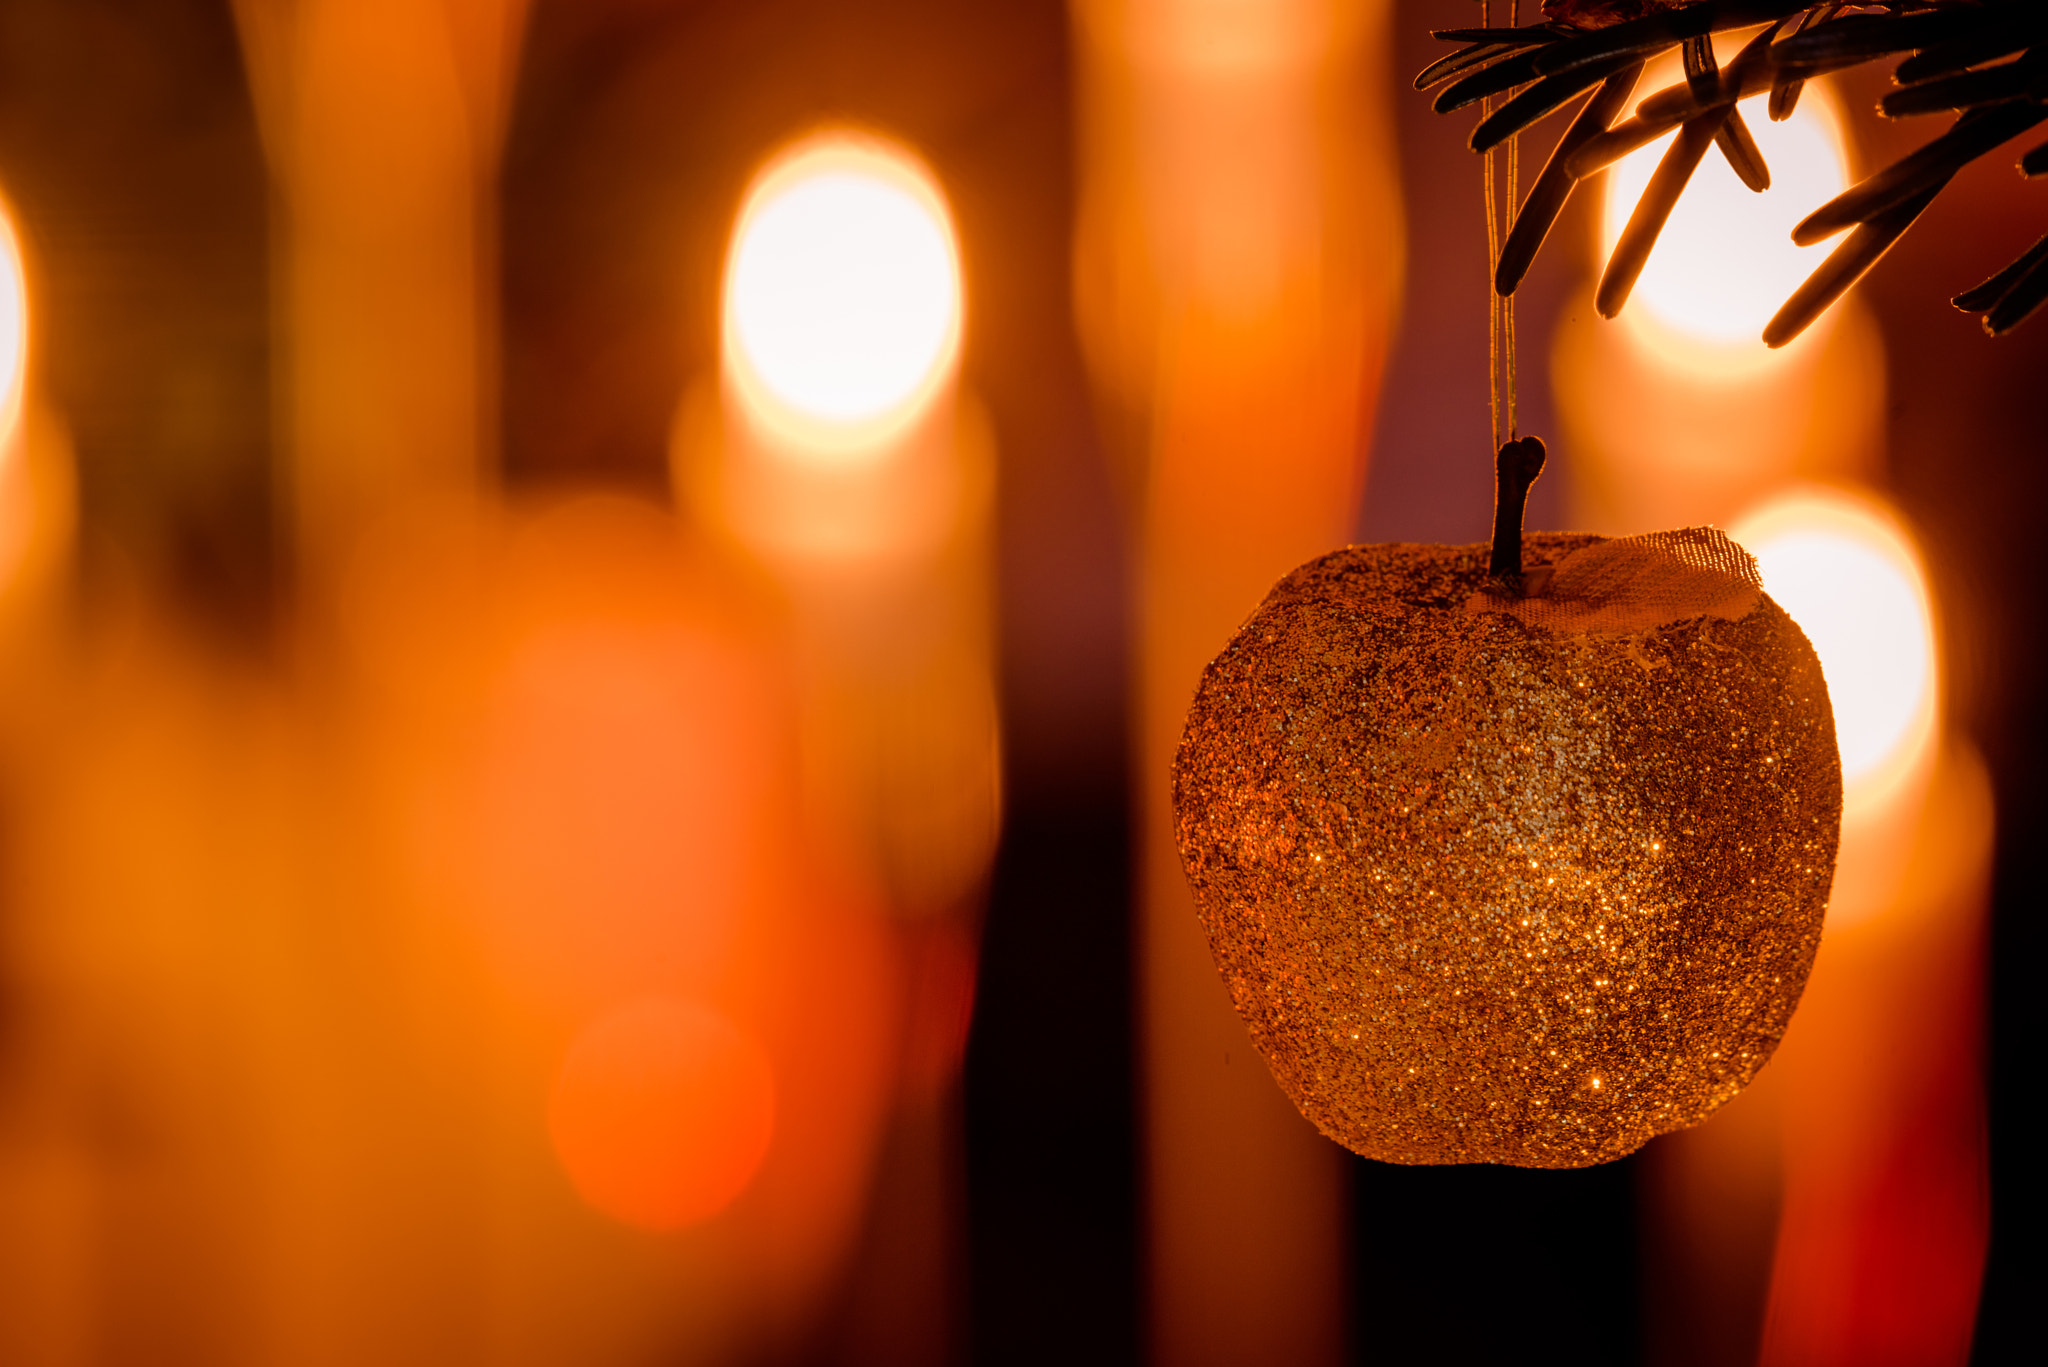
x=1492, y=256
x=1507, y=303
x=1517, y=460
x=1500, y=310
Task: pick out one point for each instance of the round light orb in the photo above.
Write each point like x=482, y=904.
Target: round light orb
x=662, y=1112
x=842, y=292
x=1725, y=262
x=1850, y=575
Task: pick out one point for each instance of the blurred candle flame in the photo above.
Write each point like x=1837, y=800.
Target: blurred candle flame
x=1850, y=575
x=1725, y=261
x=13, y=331
x=34, y=485
x=834, y=442
x=842, y=296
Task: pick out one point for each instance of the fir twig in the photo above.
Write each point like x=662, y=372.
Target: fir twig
x=1985, y=59
x=1846, y=265
x=1554, y=185
x=2008, y=293
x=1974, y=134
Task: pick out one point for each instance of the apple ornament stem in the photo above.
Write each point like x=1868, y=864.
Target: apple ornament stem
x=1513, y=866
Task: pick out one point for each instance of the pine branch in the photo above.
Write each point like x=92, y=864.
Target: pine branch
x=1984, y=60
x=1554, y=186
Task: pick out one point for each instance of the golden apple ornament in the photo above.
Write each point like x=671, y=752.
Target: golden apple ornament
x=1513, y=867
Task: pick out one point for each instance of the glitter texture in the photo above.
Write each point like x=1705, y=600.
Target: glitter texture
x=1490, y=891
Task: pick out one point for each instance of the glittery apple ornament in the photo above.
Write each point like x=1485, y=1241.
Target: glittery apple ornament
x=1513, y=868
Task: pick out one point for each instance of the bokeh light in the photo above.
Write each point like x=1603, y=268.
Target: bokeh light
x=662, y=1112
x=1849, y=574
x=614, y=775
x=13, y=327
x=1725, y=261
x=842, y=293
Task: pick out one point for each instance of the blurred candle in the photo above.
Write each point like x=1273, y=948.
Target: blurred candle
x=1236, y=259
x=382, y=121
x=1843, y=1190
x=1676, y=413
x=841, y=456
x=1880, y=1247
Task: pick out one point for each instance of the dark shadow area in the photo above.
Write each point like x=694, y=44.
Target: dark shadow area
x=1485, y=1265
x=1049, y=1100
x=137, y=183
